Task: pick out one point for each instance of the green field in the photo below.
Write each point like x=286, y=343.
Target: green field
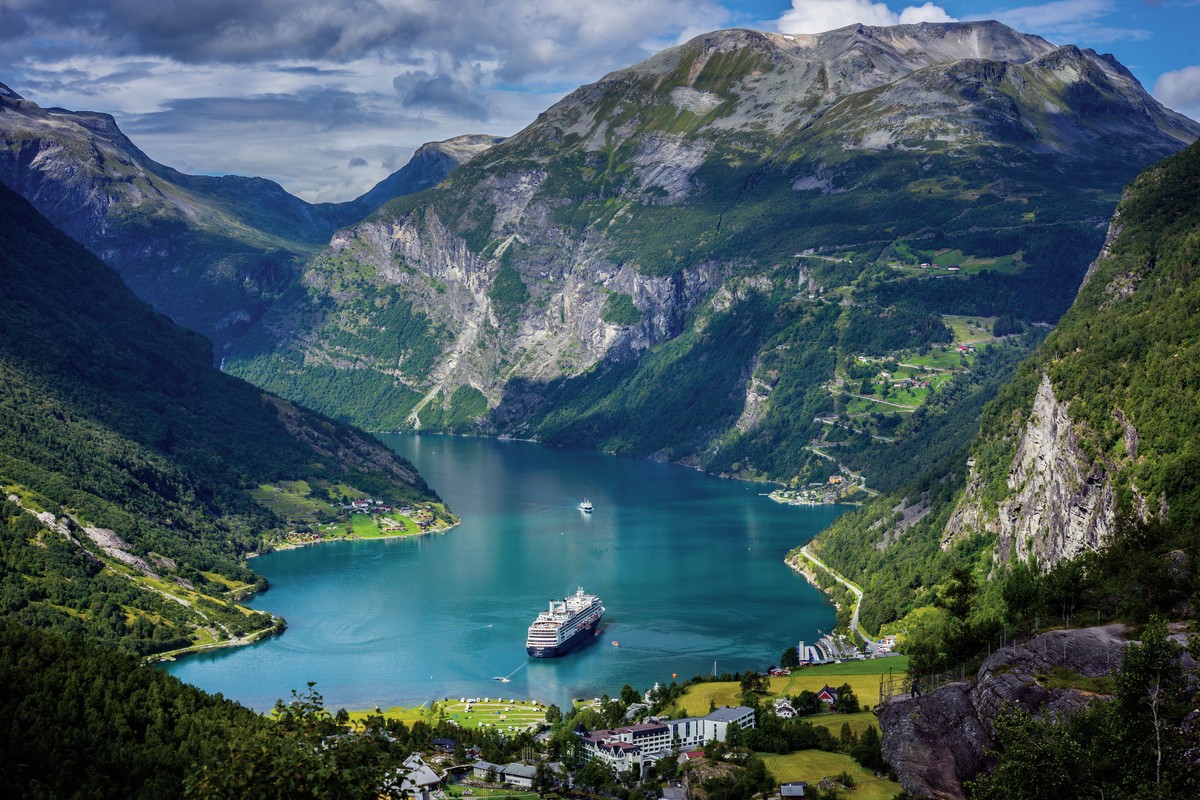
x=291, y=500
x=813, y=765
x=454, y=790
x=947, y=358
x=863, y=677
x=969, y=330
x=833, y=722
x=517, y=715
x=1009, y=264
x=366, y=526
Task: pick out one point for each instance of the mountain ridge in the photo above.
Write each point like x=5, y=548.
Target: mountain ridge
x=233, y=242
x=587, y=253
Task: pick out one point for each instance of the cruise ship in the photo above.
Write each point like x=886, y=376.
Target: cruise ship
x=567, y=624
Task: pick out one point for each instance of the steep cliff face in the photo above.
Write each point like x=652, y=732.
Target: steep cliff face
x=572, y=277
x=1061, y=501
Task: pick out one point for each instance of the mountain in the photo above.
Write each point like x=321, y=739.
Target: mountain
x=135, y=476
x=210, y=252
x=1085, y=465
x=429, y=166
x=696, y=258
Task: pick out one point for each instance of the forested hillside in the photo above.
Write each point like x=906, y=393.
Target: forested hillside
x=127, y=460
x=1086, y=465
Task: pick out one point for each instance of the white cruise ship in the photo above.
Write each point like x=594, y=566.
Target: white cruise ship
x=566, y=625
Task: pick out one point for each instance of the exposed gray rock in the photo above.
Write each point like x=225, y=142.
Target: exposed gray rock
x=937, y=741
x=1062, y=502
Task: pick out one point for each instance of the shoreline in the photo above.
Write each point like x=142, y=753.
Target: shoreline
x=351, y=538
x=802, y=563
x=276, y=629
x=279, y=625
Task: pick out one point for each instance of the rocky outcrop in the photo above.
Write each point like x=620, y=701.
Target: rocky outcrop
x=1061, y=502
x=937, y=741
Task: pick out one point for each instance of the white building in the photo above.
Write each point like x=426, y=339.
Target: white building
x=635, y=746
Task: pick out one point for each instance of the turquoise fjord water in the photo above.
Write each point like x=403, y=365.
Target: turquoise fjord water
x=690, y=568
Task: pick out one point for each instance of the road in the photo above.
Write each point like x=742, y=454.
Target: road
x=854, y=626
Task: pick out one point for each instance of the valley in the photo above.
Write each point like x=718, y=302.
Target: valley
x=908, y=309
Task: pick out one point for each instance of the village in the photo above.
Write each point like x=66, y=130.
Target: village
x=681, y=742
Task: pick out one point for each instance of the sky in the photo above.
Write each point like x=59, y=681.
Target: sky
x=328, y=97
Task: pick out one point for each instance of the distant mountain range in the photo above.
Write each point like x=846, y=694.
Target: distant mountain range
x=210, y=252
x=766, y=256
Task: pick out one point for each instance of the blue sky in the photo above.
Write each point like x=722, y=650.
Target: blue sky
x=329, y=96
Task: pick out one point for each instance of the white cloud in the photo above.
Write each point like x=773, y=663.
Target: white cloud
x=926, y=13
x=1180, y=90
x=818, y=16
x=218, y=86
x=1067, y=21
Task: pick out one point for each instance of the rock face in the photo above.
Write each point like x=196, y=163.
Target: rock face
x=936, y=741
x=1062, y=502
x=559, y=263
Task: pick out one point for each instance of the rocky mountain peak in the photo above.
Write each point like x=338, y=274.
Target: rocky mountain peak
x=9, y=93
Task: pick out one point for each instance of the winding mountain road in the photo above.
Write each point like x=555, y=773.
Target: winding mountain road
x=854, y=626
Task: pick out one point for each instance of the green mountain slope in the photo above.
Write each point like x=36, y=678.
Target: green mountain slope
x=127, y=460
x=210, y=252
x=1092, y=444
x=718, y=237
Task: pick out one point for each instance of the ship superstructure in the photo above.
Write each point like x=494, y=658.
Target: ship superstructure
x=565, y=625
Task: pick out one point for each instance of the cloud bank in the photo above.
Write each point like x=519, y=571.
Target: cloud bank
x=818, y=16
x=1180, y=90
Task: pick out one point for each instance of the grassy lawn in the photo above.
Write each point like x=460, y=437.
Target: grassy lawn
x=454, y=790
x=406, y=714
x=857, y=405
x=497, y=713
x=969, y=330
x=1009, y=264
x=937, y=357
x=366, y=527
x=833, y=722
x=233, y=586
x=813, y=765
x=863, y=677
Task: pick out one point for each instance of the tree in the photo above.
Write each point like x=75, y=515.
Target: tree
x=629, y=695
x=806, y=703
x=755, y=682
x=595, y=774
x=307, y=752
x=553, y=714
x=789, y=658
x=868, y=751
x=543, y=779
x=847, y=700
x=1148, y=693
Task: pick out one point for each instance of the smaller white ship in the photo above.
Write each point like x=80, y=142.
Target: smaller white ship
x=586, y=506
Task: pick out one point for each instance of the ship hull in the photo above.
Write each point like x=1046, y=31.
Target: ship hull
x=577, y=640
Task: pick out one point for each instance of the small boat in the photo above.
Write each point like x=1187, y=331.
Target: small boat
x=616, y=643
x=586, y=506
x=501, y=679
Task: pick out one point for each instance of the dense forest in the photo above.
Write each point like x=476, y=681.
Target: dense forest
x=112, y=419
